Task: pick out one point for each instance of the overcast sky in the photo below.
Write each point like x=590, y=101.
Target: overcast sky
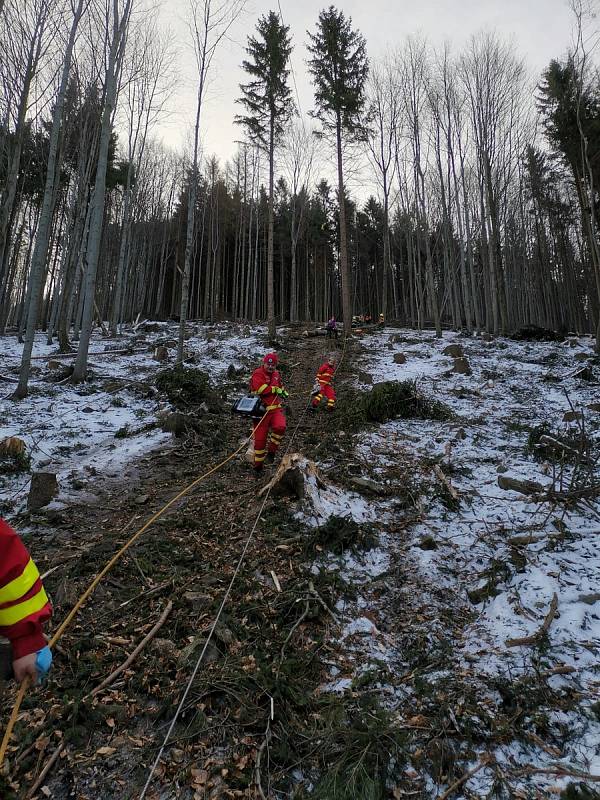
x=541, y=30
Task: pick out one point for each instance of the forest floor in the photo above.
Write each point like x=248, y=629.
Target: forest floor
x=408, y=630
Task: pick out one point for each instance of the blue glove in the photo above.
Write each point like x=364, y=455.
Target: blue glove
x=43, y=662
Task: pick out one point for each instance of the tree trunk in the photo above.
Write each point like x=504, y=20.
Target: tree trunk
x=7, y=197
x=271, y=234
x=346, y=300
x=40, y=252
x=115, y=60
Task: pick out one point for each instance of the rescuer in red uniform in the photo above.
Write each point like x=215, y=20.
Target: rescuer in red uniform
x=266, y=383
x=24, y=607
x=325, y=384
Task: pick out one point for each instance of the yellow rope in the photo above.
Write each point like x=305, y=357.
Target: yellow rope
x=69, y=618
x=13, y=719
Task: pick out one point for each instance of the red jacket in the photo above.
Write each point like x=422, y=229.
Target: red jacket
x=24, y=605
x=325, y=374
x=268, y=386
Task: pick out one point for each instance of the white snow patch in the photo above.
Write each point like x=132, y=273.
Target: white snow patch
x=70, y=430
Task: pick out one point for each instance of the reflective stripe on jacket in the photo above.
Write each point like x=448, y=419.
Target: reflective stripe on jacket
x=325, y=374
x=263, y=383
x=24, y=604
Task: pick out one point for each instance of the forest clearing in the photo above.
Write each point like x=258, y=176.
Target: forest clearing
x=299, y=400
x=388, y=632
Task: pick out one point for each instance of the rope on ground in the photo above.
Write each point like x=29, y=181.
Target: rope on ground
x=238, y=567
x=80, y=602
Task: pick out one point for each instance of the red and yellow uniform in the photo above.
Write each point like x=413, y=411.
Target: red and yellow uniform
x=24, y=606
x=266, y=383
x=325, y=381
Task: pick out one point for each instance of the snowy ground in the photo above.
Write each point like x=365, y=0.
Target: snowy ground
x=514, y=387
x=70, y=430
x=403, y=590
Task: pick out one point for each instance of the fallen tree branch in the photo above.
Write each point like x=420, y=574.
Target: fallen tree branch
x=561, y=772
x=563, y=669
x=535, y=638
x=445, y=482
x=107, y=681
x=320, y=600
x=259, y=755
x=574, y=494
x=523, y=487
x=556, y=444
x=487, y=759
x=542, y=494
x=73, y=353
x=518, y=541
x=42, y=776
x=293, y=629
x=547, y=748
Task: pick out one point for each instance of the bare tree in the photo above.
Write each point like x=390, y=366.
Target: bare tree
x=40, y=252
x=24, y=31
x=149, y=84
x=385, y=120
x=494, y=81
x=415, y=77
x=117, y=26
x=210, y=23
x=298, y=162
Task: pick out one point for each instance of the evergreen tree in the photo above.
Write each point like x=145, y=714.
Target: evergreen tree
x=268, y=103
x=570, y=108
x=339, y=68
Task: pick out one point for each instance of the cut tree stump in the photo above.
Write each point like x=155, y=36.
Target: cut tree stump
x=12, y=446
x=454, y=351
x=292, y=477
x=462, y=366
x=44, y=488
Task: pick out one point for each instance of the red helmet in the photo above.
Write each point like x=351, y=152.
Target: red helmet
x=270, y=360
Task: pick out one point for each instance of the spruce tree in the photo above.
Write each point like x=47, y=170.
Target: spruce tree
x=570, y=106
x=339, y=68
x=267, y=100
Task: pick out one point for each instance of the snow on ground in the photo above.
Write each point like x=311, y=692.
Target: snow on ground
x=493, y=444
x=70, y=430
x=324, y=501
x=513, y=388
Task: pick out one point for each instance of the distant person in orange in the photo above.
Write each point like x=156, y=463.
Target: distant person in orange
x=324, y=385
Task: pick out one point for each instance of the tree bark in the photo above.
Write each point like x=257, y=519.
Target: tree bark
x=346, y=300
x=40, y=252
x=115, y=59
